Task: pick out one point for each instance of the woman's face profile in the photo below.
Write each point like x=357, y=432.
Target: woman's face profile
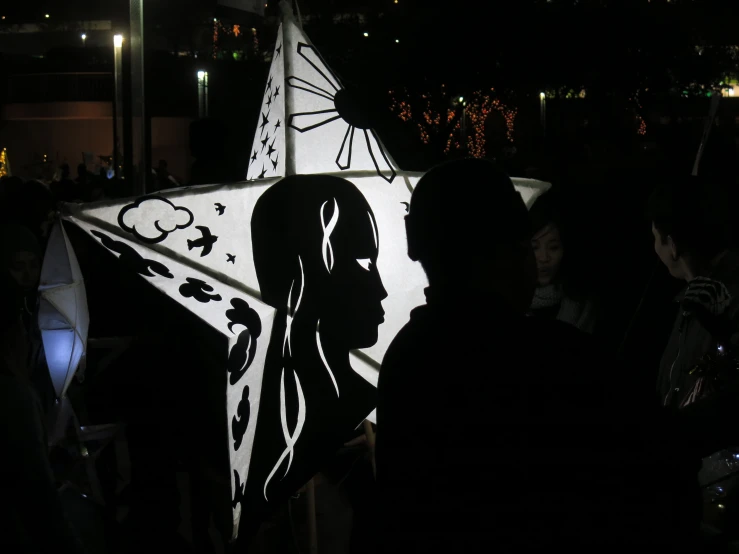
x=353, y=309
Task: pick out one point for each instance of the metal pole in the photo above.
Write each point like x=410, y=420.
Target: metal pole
x=205, y=93
x=706, y=132
x=118, y=105
x=138, y=114
x=543, y=112
x=312, y=520
x=202, y=94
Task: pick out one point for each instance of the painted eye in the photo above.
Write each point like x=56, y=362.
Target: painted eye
x=365, y=263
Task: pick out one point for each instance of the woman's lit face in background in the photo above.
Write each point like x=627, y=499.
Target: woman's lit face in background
x=547, y=245
x=25, y=269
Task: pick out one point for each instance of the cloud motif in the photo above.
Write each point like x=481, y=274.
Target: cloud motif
x=242, y=353
x=132, y=260
x=240, y=421
x=151, y=218
x=199, y=290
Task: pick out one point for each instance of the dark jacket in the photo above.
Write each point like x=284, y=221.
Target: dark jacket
x=690, y=340
x=31, y=513
x=497, y=431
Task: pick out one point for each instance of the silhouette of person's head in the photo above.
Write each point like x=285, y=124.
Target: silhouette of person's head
x=315, y=244
x=469, y=228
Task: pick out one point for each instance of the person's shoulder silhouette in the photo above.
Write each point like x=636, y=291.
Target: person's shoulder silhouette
x=496, y=427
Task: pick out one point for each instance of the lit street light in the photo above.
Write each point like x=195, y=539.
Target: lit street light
x=202, y=94
x=118, y=105
x=84, y=39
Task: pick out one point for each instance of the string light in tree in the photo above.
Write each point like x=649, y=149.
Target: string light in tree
x=4, y=165
x=478, y=111
x=642, y=129
x=216, y=25
x=475, y=111
x=401, y=108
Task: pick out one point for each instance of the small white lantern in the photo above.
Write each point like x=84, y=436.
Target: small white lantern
x=63, y=316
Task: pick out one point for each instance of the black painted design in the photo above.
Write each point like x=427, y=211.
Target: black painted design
x=407, y=206
x=199, y=290
x=220, y=208
x=230, y=258
x=206, y=241
x=315, y=247
x=242, y=353
x=132, y=260
x=238, y=490
x=353, y=106
x=161, y=218
x=239, y=425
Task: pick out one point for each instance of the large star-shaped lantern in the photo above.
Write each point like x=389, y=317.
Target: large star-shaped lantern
x=306, y=278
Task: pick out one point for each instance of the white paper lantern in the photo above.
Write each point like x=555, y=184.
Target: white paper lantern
x=63, y=317
x=285, y=412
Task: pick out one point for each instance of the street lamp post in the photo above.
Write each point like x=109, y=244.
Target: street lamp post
x=202, y=94
x=118, y=105
x=543, y=111
x=138, y=111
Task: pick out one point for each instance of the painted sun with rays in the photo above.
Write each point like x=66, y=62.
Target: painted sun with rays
x=340, y=107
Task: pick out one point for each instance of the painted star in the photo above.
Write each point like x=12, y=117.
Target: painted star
x=269, y=83
x=277, y=91
x=269, y=100
x=274, y=162
x=264, y=171
x=264, y=142
x=270, y=149
x=254, y=155
x=277, y=125
x=279, y=49
x=230, y=258
x=265, y=120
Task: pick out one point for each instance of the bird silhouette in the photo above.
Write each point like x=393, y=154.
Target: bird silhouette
x=220, y=208
x=206, y=241
x=230, y=258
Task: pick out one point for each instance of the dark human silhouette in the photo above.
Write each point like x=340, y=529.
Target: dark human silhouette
x=65, y=190
x=206, y=241
x=315, y=246
x=690, y=227
x=32, y=517
x=498, y=432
